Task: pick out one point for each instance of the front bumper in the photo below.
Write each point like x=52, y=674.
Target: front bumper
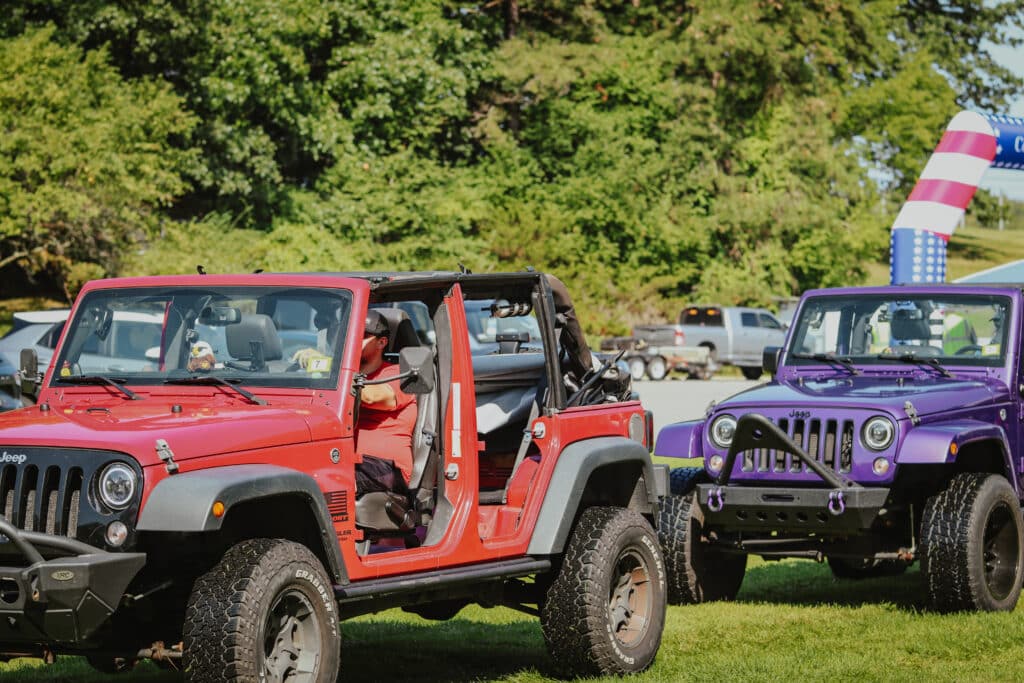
x=789, y=510
x=845, y=506
x=62, y=600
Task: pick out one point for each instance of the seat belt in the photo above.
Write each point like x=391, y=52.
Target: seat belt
x=524, y=445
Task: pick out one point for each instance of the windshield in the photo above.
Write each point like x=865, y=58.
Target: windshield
x=254, y=335
x=872, y=329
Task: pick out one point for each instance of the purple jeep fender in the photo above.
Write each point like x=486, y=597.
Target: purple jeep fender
x=934, y=444
x=681, y=440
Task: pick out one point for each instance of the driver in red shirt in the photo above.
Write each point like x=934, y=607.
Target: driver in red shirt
x=387, y=417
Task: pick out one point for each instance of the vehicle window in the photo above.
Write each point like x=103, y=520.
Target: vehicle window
x=956, y=329
x=271, y=336
x=485, y=324
x=419, y=315
x=748, y=319
x=768, y=321
x=52, y=336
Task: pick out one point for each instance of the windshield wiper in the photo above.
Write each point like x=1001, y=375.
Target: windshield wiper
x=919, y=360
x=829, y=358
x=213, y=380
x=115, y=382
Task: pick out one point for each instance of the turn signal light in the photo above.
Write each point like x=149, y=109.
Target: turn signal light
x=218, y=509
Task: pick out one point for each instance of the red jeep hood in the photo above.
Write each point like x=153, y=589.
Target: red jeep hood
x=133, y=427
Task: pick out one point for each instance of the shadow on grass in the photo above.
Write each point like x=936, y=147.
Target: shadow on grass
x=453, y=651
x=804, y=582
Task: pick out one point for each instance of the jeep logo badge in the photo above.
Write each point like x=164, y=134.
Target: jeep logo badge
x=799, y=414
x=62, y=575
x=16, y=458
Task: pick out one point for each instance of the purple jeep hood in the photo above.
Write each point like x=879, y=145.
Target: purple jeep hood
x=929, y=395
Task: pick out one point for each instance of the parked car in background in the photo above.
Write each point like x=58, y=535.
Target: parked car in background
x=733, y=334
x=39, y=330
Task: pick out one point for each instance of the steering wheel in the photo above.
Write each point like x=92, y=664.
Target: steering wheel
x=970, y=349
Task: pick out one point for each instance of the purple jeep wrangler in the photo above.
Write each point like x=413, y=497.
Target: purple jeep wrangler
x=891, y=432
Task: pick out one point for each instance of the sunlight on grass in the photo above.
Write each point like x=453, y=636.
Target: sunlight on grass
x=792, y=621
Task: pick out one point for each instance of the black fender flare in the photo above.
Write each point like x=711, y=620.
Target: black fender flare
x=577, y=462
x=184, y=502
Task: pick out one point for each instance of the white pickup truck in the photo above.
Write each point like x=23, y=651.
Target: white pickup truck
x=733, y=334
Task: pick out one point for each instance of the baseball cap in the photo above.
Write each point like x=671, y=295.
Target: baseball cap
x=376, y=324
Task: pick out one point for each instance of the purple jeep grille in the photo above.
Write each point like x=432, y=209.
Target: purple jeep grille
x=829, y=441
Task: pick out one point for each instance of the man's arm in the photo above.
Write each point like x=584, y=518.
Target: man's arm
x=379, y=397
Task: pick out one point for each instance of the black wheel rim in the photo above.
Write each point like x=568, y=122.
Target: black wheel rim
x=291, y=639
x=630, y=601
x=1001, y=551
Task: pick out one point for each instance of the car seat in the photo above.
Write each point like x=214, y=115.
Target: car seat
x=912, y=324
x=254, y=338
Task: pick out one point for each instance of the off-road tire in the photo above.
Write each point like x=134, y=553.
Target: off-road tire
x=612, y=579
x=697, y=572
x=682, y=480
x=972, y=540
x=228, y=615
x=637, y=368
x=752, y=371
x=657, y=368
x=843, y=568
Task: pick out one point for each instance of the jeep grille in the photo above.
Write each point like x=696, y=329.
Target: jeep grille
x=49, y=492
x=829, y=441
x=44, y=499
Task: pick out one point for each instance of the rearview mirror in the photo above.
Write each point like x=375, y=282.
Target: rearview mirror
x=417, y=362
x=220, y=316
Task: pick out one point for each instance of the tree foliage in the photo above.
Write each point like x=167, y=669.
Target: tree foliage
x=648, y=152
x=86, y=159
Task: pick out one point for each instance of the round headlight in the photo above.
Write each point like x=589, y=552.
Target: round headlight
x=723, y=429
x=878, y=433
x=117, y=486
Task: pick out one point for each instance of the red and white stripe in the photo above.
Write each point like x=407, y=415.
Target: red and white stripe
x=951, y=177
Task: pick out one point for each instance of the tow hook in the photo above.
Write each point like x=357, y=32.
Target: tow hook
x=715, y=499
x=836, y=503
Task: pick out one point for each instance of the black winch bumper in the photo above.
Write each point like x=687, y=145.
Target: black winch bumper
x=759, y=508
x=845, y=506
x=63, y=600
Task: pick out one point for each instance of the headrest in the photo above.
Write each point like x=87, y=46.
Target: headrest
x=910, y=323
x=254, y=327
x=402, y=331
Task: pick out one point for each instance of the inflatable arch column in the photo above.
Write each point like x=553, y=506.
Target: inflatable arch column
x=971, y=144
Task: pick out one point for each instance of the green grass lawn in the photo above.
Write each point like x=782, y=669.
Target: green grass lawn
x=792, y=622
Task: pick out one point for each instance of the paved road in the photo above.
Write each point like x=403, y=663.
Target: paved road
x=685, y=399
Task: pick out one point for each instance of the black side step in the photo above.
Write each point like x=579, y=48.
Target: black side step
x=411, y=583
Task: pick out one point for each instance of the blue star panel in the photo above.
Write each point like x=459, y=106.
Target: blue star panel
x=927, y=262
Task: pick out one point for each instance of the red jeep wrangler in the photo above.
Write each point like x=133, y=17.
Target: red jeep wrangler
x=182, y=480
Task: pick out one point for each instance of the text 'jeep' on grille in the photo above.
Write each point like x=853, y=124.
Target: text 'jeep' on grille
x=257, y=457
x=891, y=432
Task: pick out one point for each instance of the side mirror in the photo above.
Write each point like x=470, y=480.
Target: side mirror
x=29, y=371
x=770, y=358
x=417, y=363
